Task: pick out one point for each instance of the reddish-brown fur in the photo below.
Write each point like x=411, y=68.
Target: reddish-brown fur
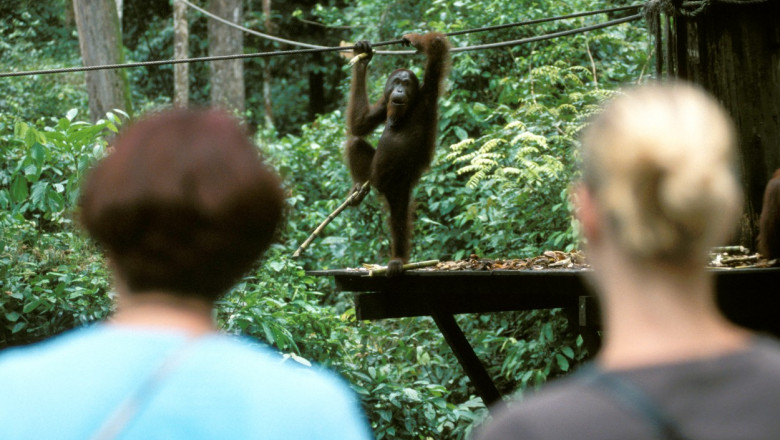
x=769, y=222
x=405, y=149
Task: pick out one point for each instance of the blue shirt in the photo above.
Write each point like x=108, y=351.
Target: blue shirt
x=213, y=387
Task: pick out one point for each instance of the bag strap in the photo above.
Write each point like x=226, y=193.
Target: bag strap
x=635, y=399
x=126, y=411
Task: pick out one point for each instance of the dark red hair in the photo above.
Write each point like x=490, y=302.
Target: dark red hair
x=183, y=204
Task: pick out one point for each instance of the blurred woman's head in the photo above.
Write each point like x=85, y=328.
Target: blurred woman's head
x=183, y=204
x=658, y=165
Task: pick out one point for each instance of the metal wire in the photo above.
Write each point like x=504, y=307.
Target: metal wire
x=407, y=52
x=318, y=50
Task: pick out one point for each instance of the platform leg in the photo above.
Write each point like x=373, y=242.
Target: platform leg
x=467, y=358
x=590, y=322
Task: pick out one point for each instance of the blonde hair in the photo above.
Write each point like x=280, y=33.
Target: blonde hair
x=659, y=161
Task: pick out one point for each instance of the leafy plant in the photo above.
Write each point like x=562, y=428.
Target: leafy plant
x=497, y=188
x=525, y=166
x=33, y=36
x=51, y=277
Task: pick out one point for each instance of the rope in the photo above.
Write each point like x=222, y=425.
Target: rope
x=405, y=52
x=550, y=36
x=179, y=61
x=250, y=31
x=317, y=50
x=283, y=40
x=544, y=20
x=694, y=8
x=522, y=23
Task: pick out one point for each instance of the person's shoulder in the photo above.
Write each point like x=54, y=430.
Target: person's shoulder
x=245, y=357
x=570, y=397
x=261, y=375
x=768, y=349
x=538, y=414
x=761, y=363
x=36, y=370
x=23, y=357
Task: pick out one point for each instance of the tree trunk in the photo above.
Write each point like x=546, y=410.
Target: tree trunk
x=101, y=43
x=316, y=87
x=733, y=51
x=181, y=72
x=119, y=8
x=70, y=17
x=227, y=77
x=267, y=78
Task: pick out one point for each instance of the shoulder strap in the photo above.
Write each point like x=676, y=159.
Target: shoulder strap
x=124, y=413
x=635, y=399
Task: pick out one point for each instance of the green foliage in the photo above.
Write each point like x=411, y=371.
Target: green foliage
x=42, y=169
x=280, y=304
x=497, y=187
x=524, y=166
x=302, y=86
x=32, y=37
x=51, y=277
x=151, y=41
x=317, y=180
x=536, y=346
x=49, y=282
x=413, y=399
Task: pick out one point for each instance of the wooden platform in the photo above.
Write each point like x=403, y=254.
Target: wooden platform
x=747, y=296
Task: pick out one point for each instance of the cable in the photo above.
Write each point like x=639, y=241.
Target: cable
x=549, y=36
x=290, y=42
x=179, y=61
x=250, y=31
x=543, y=20
x=318, y=50
x=407, y=52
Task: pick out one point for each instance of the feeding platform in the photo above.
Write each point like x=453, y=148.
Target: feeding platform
x=748, y=296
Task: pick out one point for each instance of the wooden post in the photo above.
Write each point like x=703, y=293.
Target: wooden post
x=181, y=72
x=733, y=51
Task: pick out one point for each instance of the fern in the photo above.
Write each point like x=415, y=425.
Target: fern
x=477, y=177
x=523, y=167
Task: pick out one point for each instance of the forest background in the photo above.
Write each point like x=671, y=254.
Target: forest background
x=498, y=187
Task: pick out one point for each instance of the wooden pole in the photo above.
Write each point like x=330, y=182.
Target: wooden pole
x=408, y=266
x=329, y=219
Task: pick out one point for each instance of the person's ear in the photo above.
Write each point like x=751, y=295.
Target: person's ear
x=586, y=211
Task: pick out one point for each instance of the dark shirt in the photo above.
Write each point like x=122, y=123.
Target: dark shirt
x=731, y=397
